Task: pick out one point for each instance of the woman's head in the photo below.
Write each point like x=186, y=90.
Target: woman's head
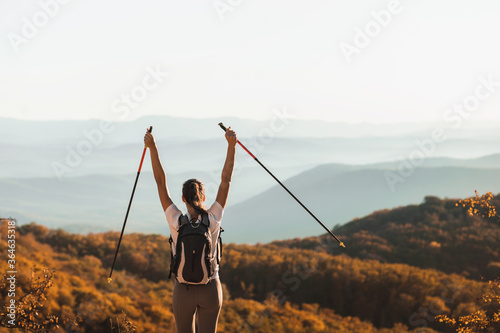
x=193, y=192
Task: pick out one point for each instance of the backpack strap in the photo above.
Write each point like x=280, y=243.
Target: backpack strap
x=205, y=220
x=170, y=240
x=219, y=247
x=183, y=219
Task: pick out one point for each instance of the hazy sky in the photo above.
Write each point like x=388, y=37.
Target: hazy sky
x=81, y=59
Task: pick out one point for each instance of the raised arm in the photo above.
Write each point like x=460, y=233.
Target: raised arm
x=159, y=173
x=227, y=171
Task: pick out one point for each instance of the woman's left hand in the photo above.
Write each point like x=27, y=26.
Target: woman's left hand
x=149, y=140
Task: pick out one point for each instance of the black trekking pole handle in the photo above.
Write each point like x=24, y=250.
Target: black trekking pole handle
x=286, y=189
x=128, y=209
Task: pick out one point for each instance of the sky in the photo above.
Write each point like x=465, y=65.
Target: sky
x=349, y=61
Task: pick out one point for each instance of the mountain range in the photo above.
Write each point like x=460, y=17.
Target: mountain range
x=336, y=194
x=339, y=171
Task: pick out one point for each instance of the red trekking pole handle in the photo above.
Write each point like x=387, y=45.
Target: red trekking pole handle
x=286, y=189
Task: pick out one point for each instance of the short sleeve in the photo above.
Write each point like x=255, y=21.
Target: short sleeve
x=217, y=211
x=172, y=214
x=215, y=215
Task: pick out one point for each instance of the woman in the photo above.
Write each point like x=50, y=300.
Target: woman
x=201, y=301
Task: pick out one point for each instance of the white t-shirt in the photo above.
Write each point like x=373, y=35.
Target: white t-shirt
x=215, y=212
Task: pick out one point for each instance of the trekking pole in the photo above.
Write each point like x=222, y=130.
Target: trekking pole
x=128, y=209
x=293, y=196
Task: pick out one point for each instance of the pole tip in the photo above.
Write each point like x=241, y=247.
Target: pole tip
x=342, y=244
x=109, y=280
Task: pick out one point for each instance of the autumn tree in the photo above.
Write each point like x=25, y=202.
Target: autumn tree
x=488, y=318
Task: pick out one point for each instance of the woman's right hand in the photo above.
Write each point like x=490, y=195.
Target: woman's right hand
x=149, y=140
x=231, y=137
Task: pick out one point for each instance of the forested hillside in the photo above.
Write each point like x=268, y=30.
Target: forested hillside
x=435, y=234
x=400, y=269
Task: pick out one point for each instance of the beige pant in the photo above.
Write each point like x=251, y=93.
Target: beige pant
x=201, y=301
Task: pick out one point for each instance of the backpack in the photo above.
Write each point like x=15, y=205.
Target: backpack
x=193, y=262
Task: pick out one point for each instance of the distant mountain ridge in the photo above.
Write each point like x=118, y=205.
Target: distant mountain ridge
x=38, y=159
x=281, y=124
x=335, y=193
x=32, y=149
